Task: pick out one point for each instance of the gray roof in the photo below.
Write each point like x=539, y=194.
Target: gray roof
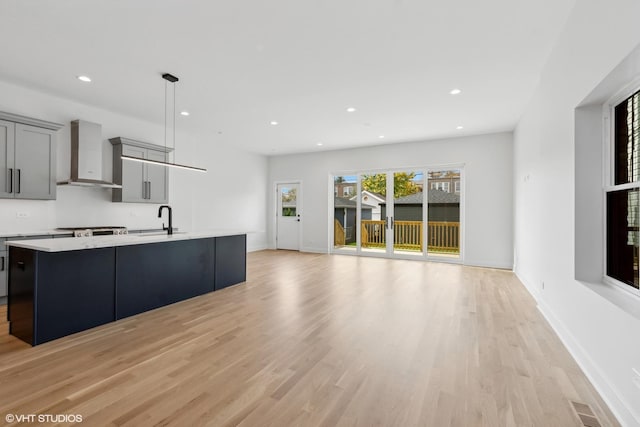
x=435, y=196
x=341, y=202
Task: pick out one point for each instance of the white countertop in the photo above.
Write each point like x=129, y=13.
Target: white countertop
x=9, y=234
x=80, y=243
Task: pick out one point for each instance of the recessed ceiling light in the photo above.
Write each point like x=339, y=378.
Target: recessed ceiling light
x=319, y=144
x=381, y=136
x=85, y=79
x=274, y=123
x=184, y=113
x=459, y=127
x=455, y=91
x=351, y=109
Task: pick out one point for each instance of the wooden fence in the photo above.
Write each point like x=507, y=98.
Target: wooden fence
x=441, y=236
x=444, y=236
x=338, y=233
x=373, y=233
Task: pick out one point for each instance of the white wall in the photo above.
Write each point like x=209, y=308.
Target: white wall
x=602, y=336
x=230, y=195
x=488, y=188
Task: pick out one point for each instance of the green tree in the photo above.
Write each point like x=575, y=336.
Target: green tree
x=290, y=195
x=403, y=184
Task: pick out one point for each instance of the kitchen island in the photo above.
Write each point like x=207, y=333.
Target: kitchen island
x=58, y=287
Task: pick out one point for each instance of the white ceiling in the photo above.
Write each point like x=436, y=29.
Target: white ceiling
x=244, y=63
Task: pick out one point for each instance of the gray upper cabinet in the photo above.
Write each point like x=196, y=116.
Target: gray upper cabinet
x=7, y=158
x=27, y=157
x=141, y=182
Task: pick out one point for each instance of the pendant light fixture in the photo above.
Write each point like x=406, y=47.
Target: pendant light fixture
x=169, y=78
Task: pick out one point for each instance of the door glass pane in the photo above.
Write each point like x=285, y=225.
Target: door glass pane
x=345, y=202
x=373, y=233
x=443, y=231
x=408, y=213
x=289, y=201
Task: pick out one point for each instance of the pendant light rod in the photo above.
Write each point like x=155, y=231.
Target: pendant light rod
x=158, y=162
x=171, y=79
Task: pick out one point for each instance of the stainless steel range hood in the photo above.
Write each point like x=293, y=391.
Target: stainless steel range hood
x=86, y=156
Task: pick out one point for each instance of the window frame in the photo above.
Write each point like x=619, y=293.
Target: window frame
x=609, y=174
x=438, y=184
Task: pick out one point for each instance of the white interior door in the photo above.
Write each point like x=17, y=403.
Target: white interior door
x=288, y=216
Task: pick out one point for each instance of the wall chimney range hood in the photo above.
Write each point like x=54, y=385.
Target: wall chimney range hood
x=86, y=156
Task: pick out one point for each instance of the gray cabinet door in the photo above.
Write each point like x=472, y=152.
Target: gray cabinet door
x=7, y=133
x=157, y=178
x=141, y=182
x=35, y=163
x=133, y=175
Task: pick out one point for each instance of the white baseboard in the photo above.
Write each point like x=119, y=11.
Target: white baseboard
x=625, y=414
x=314, y=250
x=500, y=265
x=256, y=248
x=528, y=285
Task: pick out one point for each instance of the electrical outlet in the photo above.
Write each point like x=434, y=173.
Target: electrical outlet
x=22, y=215
x=636, y=377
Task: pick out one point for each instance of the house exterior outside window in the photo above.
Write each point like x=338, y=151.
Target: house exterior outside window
x=444, y=186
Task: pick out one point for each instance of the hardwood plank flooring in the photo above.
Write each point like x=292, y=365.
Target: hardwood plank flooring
x=314, y=340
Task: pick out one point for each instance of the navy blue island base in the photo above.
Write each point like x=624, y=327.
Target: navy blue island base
x=55, y=294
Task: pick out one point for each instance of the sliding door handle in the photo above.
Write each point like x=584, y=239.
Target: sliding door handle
x=392, y=224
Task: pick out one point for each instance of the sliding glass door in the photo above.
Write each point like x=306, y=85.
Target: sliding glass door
x=408, y=213
x=374, y=226
x=444, y=213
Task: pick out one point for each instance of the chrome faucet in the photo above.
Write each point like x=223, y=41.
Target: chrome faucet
x=170, y=227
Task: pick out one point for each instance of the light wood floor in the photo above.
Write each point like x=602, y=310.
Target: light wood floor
x=314, y=340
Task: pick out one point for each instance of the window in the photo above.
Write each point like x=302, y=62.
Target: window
x=456, y=186
x=622, y=194
x=444, y=186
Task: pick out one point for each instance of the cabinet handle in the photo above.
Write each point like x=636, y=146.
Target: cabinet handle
x=144, y=189
x=2, y=266
x=149, y=191
x=18, y=182
x=10, y=180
